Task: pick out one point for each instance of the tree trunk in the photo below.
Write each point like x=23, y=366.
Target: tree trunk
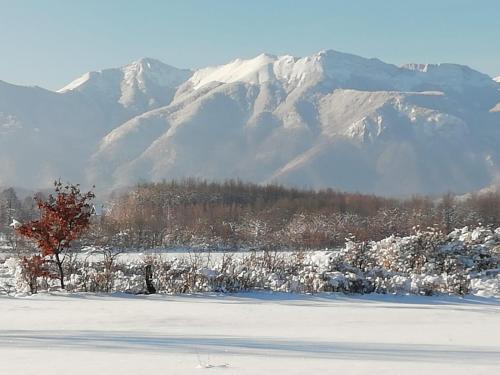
x=61, y=272
x=149, y=280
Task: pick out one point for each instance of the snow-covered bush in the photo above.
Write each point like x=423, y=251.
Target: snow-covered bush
x=428, y=262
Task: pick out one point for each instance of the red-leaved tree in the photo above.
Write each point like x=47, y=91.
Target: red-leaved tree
x=63, y=218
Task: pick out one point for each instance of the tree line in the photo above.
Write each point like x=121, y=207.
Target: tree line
x=235, y=214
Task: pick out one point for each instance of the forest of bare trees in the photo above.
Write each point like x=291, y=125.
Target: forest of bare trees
x=234, y=214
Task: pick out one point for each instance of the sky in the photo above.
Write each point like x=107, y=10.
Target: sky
x=51, y=42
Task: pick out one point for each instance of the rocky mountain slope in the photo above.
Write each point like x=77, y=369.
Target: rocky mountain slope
x=327, y=120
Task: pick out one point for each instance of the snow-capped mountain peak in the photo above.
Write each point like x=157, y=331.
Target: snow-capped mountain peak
x=497, y=79
x=307, y=121
x=155, y=71
x=135, y=73
x=288, y=70
x=340, y=70
x=256, y=70
x=139, y=86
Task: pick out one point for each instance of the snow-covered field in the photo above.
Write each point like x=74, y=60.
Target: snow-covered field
x=250, y=333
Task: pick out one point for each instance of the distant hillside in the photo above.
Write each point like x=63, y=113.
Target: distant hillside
x=327, y=120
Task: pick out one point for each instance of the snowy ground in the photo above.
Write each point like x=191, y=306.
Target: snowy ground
x=170, y=252
x=254, y=333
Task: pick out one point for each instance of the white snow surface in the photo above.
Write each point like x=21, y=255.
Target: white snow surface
x=255, y=333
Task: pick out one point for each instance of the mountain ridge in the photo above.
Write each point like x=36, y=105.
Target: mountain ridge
x=331, y=119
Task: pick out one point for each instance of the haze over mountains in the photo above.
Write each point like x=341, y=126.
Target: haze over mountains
x=327, y=120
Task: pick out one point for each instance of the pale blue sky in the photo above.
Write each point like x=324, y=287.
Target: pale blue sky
x=51, y=42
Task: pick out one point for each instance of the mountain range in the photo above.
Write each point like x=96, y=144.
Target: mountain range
x=331, y=119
